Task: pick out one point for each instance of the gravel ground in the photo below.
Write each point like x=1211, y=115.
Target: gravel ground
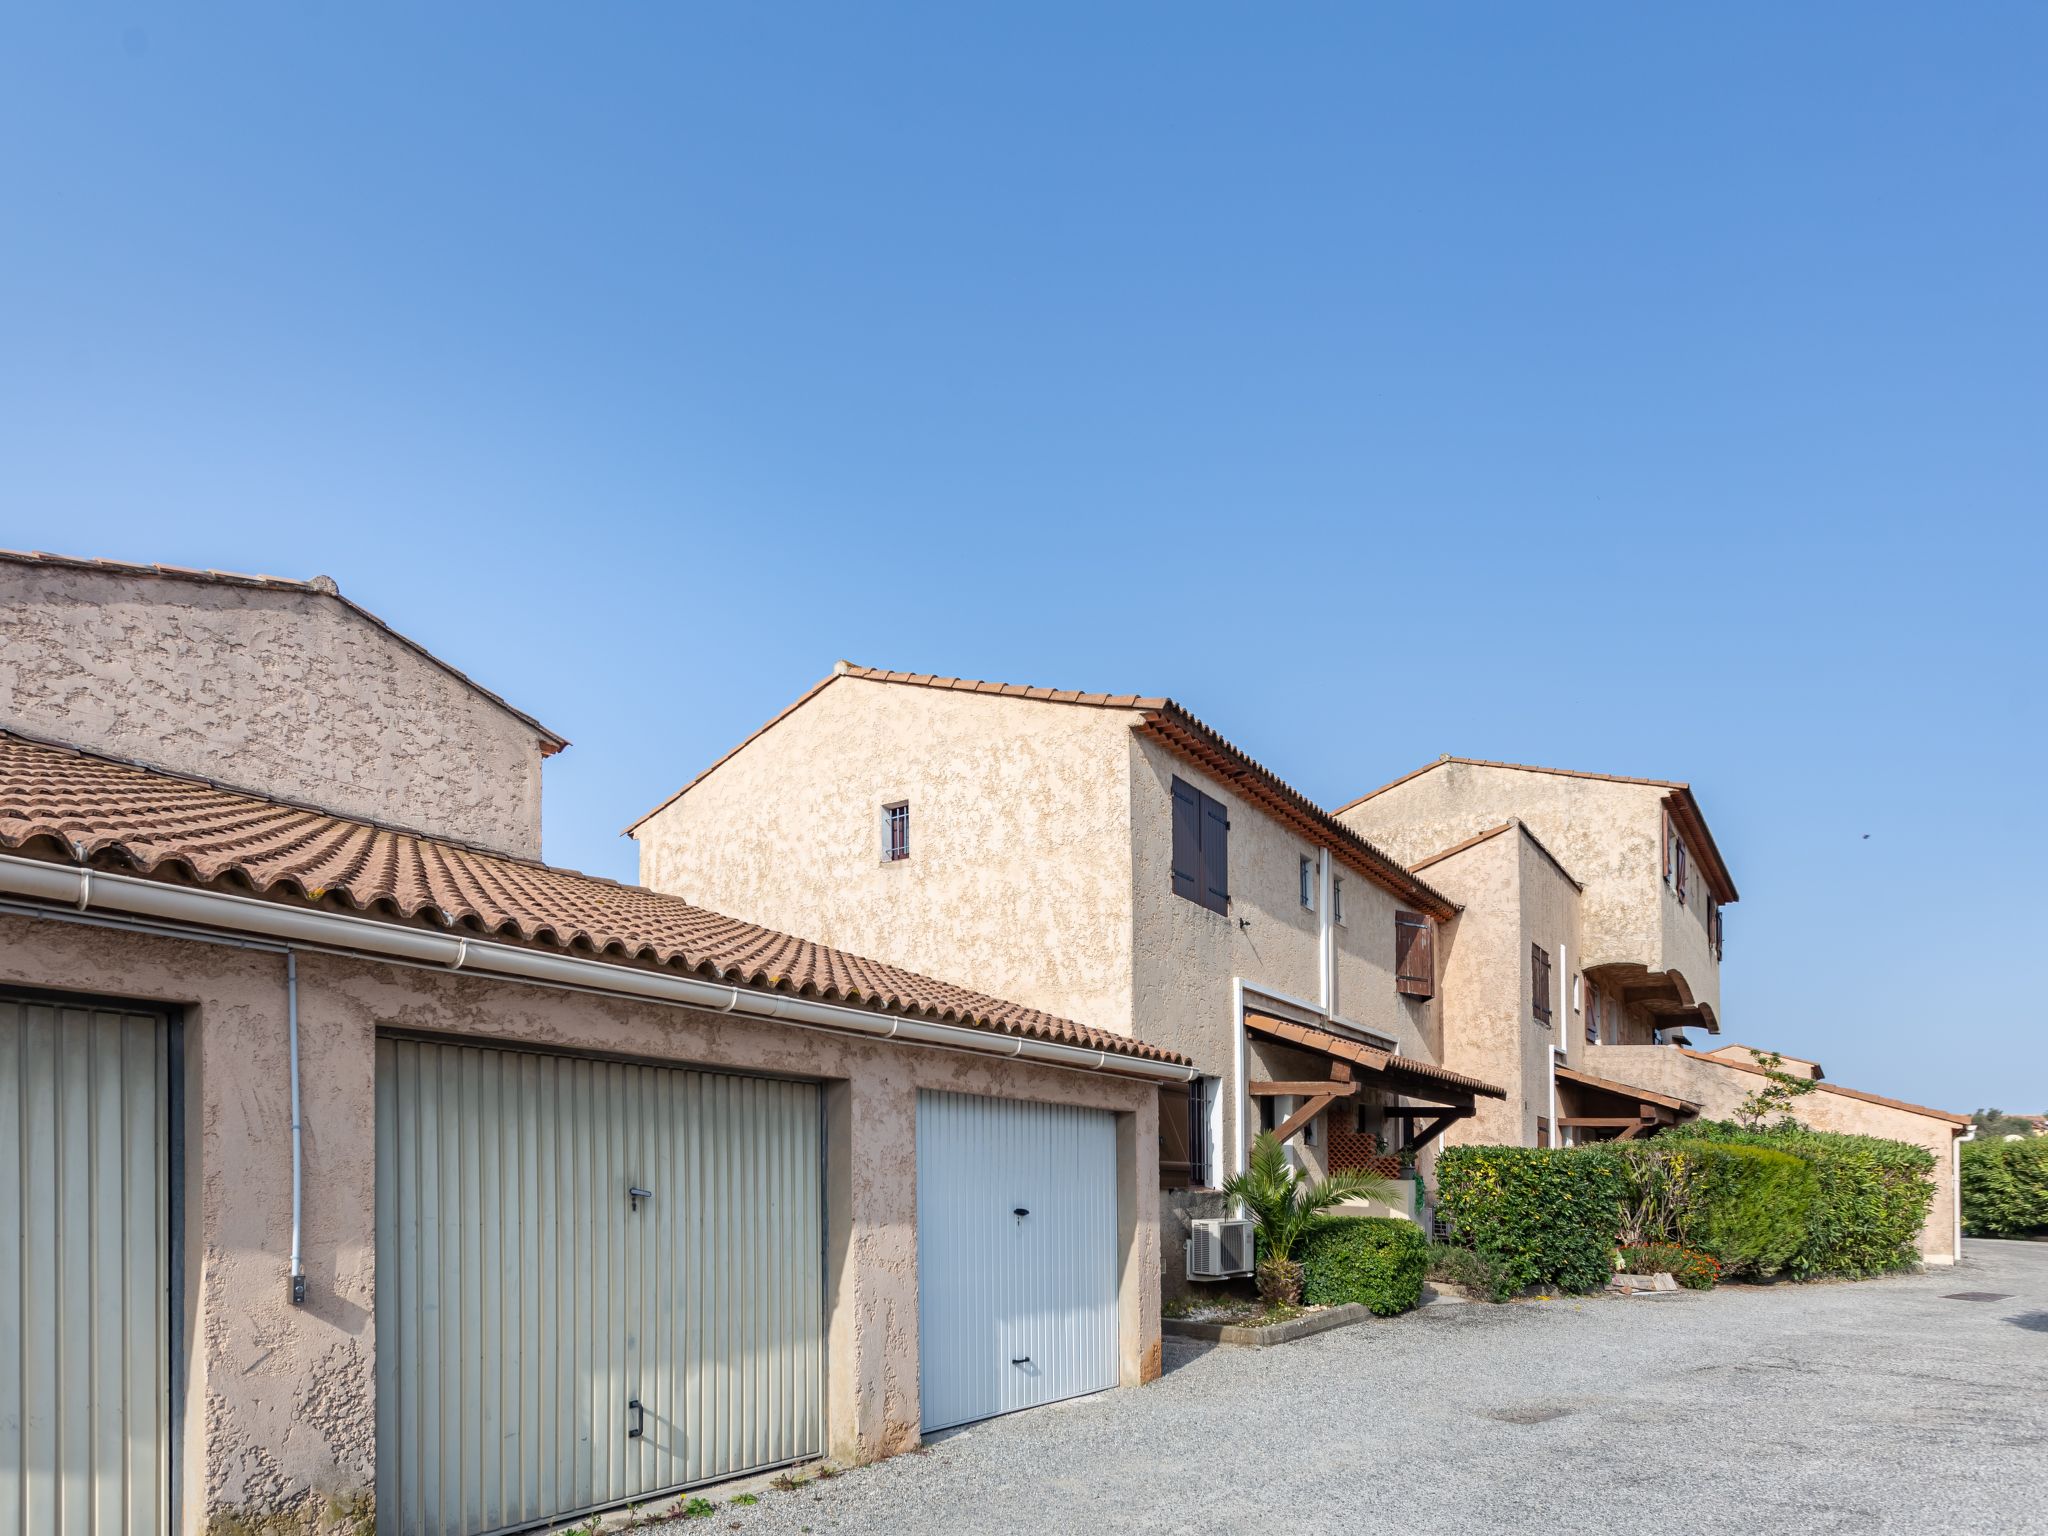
x=1880, y=1406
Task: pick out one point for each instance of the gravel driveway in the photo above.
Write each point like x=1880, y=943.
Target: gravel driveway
x=1881, y=1406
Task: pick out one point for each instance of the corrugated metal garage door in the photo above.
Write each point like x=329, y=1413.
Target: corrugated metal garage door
x=525, y=1305
x=1016, y=1246
x=84, y=1294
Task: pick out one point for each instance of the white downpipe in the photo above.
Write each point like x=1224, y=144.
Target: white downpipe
x=1241, y=1143
x=362, y=936
x=1956, y=1186
x=291, y=1010
x=1327, y=947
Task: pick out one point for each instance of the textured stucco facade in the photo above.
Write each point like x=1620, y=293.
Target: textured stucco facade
x=1040, y=869
x=1514, y=896
x=278, y=1401
x=1719, y=1087
x=282, y=689
x=1018, y=880
x=1608, y=832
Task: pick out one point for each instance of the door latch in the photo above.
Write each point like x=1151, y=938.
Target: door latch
x=636, y=1194
x=639, y=1419
x=1020, y=1211
x=1021, y=1360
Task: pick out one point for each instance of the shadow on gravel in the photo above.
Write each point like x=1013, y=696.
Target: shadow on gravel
x=2033, y=1322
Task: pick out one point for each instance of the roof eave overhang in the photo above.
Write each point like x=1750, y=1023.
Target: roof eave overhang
x=1199, y=745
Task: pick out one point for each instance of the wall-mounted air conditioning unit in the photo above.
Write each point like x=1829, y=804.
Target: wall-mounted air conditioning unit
x=1219, y=1248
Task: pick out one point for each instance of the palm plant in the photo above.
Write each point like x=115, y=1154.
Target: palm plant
x=1286, y=1208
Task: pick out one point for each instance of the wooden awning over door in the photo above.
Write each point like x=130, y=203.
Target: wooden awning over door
x=1601, y=1104
x=1446, y=1097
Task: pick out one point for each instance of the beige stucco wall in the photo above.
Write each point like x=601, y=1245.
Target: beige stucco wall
x=1609, y=835
x=290, y=694
x=1186, y=958
x=1718, y=1089
x=280, y=1409
x=1513, y=896
x=1018, y=880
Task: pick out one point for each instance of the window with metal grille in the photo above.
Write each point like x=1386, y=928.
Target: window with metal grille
x=1539, y=981
x=1308, y=882
x=1337, y=898
x=896, y=832
x=1414, y=955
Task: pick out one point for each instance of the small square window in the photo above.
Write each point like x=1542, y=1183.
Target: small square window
x=896, y=832
x=1308, y=883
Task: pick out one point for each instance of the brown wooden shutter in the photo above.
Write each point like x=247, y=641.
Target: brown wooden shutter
x=1681, y=872
x=1215, y=856
x=1542, y=1131
x=1539, y=981
x=1414, y=955
x=1187, y=841
x=1592, y=1013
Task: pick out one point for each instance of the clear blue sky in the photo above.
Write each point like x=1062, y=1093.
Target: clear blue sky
x=1590, y=386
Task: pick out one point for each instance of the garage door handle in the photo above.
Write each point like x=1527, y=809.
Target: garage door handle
x=1020, y=1211
x=639, y=1420
x=1021, y=1360
x=636, y=1194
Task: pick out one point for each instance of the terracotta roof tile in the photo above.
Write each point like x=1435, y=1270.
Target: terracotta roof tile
x=1959, y=1121
x=1181, y=732
x=122, y=815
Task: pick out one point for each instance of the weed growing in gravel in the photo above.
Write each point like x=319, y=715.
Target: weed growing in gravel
x=745, y=1498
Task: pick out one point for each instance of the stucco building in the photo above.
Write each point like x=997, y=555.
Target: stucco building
x=371, y=1173
x=1585, y=962
x=1111, y=858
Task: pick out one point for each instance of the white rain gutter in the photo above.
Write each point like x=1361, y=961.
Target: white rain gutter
x=73, y=885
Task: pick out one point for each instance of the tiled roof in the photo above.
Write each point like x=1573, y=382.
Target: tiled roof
x=319, y=586
x=1179, y=731
x=1960, y=1121
x=1427, y=1076
x=1685, y=809
x=1625, y=1090
x=123, y=816
x=1490, y=833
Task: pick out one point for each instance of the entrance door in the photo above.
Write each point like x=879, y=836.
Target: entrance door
x=1017, y=1255
x=597, y=1283
x=85, y=1351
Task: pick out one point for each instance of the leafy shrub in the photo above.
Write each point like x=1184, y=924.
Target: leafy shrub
x=1376, y=1261
x=2005, y=1187
x=1694, y=1270
x=1747, y=1206
x=1546, y=1217
x=1869, y=1198
x=1453, y=1264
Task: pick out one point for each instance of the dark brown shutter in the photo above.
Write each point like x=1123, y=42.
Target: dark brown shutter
x=1187, y=841
x=1592, y=1013
x=1542, y=1131
x=1215, y=855
x=1414, y=955
x=1539, y=981
x=1681, y=872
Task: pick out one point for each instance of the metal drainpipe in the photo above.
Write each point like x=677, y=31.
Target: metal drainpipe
x=291, y=994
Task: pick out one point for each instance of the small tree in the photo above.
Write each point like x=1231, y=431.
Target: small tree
x=1996, y=1125
x=1286, y=1208
x=1773, y=1101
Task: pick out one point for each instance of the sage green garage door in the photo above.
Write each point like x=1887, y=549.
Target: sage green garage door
x=597, y=1282
x=84, y=1270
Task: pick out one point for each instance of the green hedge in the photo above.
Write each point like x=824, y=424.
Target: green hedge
x=1377, y=1261
x=2005, y=1187
x=1547, y=1217
x=1869, y=1199
x=1747, y=1206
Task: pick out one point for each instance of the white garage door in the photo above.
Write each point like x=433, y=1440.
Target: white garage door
x=596, y=1283
x=1016, y=1245
x=84, y=1270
